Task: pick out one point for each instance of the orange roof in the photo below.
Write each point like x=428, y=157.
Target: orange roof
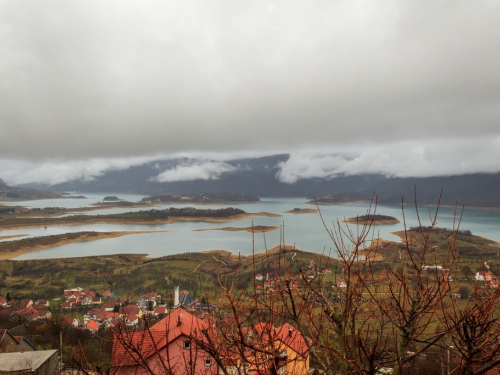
x=146, y=343
x=92, y=325
x=180, y=322
x=131, y=348
x=292, y=338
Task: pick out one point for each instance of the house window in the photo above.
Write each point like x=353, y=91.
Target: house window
x=187, y=344
x=208, y=362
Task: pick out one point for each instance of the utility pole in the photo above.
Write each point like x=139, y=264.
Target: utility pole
x=60, y=352
x=448, y=359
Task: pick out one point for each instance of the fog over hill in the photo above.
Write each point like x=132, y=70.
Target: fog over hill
x=262, y=177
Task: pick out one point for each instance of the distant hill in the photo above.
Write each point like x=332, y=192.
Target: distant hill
x=203, y=198
x=253, y=176
x=473, y=190
x=13, y=193
x=257, y=177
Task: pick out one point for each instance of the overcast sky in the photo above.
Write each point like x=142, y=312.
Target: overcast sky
x=396, y=87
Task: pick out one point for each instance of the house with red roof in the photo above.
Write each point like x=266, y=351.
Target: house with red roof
x=159, y=311
x=149, y=296
x=27, y=314
x=96, y=300
x=25, y=303
x=494, y=284
x=341, y=283
x=169, y=346
x=70, y=321
x=109, y=306
x=484, y=275
x=106, y=294
x=42, y=302
x=132, y=320
x=43, y=314
x=130, y=309
x=92, y=326
x=67, y=305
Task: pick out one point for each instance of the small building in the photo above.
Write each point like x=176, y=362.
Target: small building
x=67, y=305
x=25, y=303
x=341, y=283
x=106, y=294
x=39, y=362
x=168, y=344
x=109, y=306
x=27, y=314
x=92, y=326
x=494, y=284
x=42, y=302
x=70, y=321
x=13, y=341
x=484, y=275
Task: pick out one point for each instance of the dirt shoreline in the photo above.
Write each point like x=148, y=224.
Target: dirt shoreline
x=302, y=211
x=12, y=236
x=9, y=255
x=171, y=219
x=361, y=221
x=255, y=229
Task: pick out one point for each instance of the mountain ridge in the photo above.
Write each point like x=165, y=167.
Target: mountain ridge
x=258, y=177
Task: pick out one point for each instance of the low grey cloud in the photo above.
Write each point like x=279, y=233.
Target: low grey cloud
x=400, y=159
x=397, y=159
x=105, y=80
x=196, y=170
x=53, y=172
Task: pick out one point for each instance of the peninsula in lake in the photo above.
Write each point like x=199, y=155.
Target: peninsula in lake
x=202, y=198
x=372, y=220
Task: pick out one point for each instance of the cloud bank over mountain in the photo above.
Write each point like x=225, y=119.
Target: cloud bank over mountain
x=399, y=88
x=400, y=159
x=197, y=170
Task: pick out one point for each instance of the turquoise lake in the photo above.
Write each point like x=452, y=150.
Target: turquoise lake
x=305, y=231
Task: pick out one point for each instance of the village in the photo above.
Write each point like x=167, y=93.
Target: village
x=131, y=320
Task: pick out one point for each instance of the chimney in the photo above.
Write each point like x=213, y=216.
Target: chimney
x=290, y=332
x=176, y=296
x=178, y=320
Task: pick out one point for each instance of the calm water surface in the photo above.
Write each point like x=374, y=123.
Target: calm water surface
x=305, y=231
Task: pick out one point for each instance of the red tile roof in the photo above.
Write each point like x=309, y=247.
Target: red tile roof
x=67, y=320
x=130, y=310
x=93, y=325
x=27, y=311
x=160, y=310
x=150, y=295
x=132, y=317
x=147, y=343
x=292, y=338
